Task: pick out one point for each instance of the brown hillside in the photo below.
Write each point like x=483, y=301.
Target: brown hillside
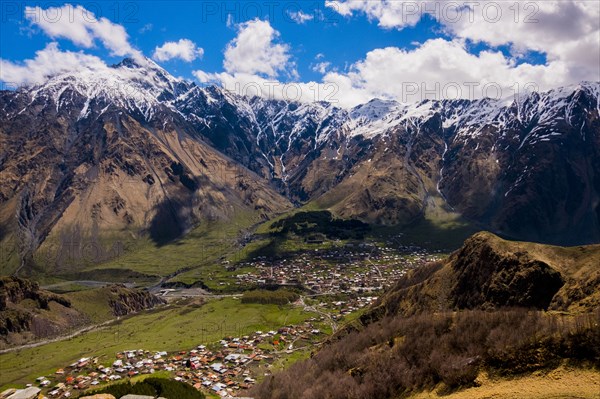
x=489, y=272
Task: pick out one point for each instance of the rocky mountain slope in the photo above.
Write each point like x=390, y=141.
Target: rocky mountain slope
x=134, y=151
x=491, y=273
x=28, y=312
x=105, y=155
x=524, y=166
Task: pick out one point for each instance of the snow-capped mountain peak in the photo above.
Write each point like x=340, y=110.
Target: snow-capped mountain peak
x=136, y=85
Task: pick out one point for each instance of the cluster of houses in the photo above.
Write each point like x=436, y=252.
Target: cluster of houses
x=359, y=269
x=226, y=368
x=340, y=308
x=26, y=393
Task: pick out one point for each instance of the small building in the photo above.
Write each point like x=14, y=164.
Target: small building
x=27, y=393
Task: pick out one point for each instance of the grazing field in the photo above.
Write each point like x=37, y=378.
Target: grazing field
x=180, y=326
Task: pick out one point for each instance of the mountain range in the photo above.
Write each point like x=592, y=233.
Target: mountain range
x=133, y=150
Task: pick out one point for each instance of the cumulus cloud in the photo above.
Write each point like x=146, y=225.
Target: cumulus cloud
x=441, y=68
x=436, y=69
x=321, y=67
x=183, y=49
x=300, y=17
x=255, y=50
x=388, y=13
x=254, y=85
x=545, y=27
x=80, y=26
x=47, y=62
x=253, y=63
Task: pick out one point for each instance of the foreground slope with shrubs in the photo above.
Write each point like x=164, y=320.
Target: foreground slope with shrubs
x=489, y=309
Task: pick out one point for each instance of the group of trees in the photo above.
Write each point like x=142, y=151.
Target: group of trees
x=278, y=297
x=398, y=355
x=320, y=222
x=157, y=387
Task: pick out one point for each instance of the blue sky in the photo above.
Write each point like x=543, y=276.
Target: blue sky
x=364, y=47
x=341, y=40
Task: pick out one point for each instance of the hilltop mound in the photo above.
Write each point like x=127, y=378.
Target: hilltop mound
x=489, y=272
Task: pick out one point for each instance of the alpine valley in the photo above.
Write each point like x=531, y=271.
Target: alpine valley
x=196, y=243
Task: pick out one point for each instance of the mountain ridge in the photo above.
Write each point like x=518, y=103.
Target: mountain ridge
x=112, y=134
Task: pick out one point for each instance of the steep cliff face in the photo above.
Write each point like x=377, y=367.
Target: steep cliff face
x=490, y=273
x=14, y=290
x=124, y=301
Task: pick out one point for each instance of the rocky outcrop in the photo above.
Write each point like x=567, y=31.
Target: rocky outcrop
x=488, y=278
x=15, y=315
x=124, y=301
x=14, y=290
x=490, y=273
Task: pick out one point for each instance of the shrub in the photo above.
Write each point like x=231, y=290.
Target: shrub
x=397, y=355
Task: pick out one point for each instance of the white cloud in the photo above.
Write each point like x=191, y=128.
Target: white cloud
x=254, y=59
x=47, y=62
x=436, y=69
x=442, y=69
x=388, y=13
x=184, y=49
x=206, y=77
x=81, y=27
x=300, y=17
x=230, y=24
x=321, y=67
x=547, y=27
x=255, y=51
x=255, y=85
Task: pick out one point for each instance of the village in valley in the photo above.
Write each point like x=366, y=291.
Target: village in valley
x=349, y=269
x=225, y=368
x=334, y=284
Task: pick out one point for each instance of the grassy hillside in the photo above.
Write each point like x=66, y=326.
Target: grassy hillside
x=400, y=356
x=564, y=382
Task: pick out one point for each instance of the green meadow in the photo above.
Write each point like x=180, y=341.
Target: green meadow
x=180, y=326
